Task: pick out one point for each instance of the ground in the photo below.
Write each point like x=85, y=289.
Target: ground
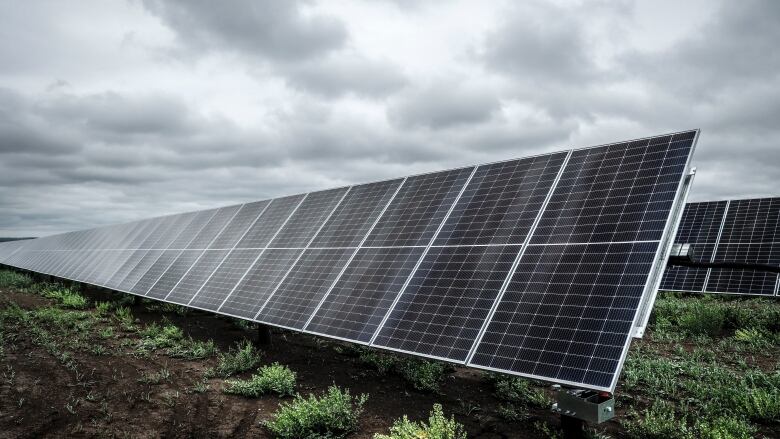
x=93, y=369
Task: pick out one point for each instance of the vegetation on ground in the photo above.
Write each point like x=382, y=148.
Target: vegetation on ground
x=275, y=378
x=707, y=368
x=239, y=359
x=438, y=427
x=424, y=375
x=335, y=414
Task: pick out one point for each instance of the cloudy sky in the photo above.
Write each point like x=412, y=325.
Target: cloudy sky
x=118, y=110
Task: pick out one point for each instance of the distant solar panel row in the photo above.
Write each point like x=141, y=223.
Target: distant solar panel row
x=534, y=266
x=729, y=231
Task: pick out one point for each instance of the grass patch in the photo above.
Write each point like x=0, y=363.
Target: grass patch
x=13, y=279
x=332, y=415
x=240, y=359
x=275, y=378
x=66, y=297
x=438, y=427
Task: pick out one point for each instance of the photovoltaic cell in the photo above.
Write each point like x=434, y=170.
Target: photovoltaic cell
x=501, y=202
x=442, y=310
x=224, y=279
x=575, y=289
x=213, y=227
x=620, y=192
x=300, y=292
x=139, y=270
x=194, y=279
x=362, y=296
x=568, y=311
x=700, y=226
x=239, y=225
x=418, y=209
x=174, y=273
x=308, y=218
x=167, y=257
x=264, y=229
x=751, y=233
x=355, y=215
x=254, y=289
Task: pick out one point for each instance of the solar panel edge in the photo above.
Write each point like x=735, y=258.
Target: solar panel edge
x=664, y=248
x=422, y=257
x=520, y=253
x=662, y=255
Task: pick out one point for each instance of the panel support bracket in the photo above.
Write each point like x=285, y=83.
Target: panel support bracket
x=579, y=407
x=263, y=335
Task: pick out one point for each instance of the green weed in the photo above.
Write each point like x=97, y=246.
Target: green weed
x=15, y=280
x=67, y=297
x=658, y=422
x=332, y=415
x=438, y=427
x=275, y=378
x=244, y=357
x=519, y=391
x=724, y=428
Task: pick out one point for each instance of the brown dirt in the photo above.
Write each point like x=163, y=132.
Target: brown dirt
x=104, y=398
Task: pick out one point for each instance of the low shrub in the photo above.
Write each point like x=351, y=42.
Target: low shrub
x=518, y=390
x=244, y=357
x=759, y=404
x=275, y=378
x=422, y=374
x=332, y=415
x=438, y=427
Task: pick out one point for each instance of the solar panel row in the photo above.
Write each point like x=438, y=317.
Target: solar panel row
x=534, y=266
x=729, y=231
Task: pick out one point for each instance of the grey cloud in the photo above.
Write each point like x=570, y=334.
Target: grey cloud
x=443, y=105
x=266, y=29
x=736, y=49
x=540, y=43
x=339, y=74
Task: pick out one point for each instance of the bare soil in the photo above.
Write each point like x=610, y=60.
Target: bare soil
x=104, y=397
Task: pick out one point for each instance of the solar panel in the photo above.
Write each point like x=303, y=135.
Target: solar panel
x=751, y=233
x=356, y=305
x=700, y=225
x=535, y=266
x=591, y=254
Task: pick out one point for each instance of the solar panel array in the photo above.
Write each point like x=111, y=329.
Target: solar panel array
x=534, y=266
x=745, y=230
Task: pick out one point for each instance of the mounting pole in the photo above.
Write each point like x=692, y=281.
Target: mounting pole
x=263, y=335
x=578, y=407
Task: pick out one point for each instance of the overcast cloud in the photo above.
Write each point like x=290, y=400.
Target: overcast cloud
x=116, y=111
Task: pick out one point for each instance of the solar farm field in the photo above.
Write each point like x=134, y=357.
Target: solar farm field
x=77, y=361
